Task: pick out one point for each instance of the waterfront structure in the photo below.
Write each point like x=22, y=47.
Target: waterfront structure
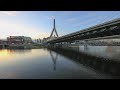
x=3, y=43
x=19, y=40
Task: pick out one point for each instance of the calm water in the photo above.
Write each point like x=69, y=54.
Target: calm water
x=47, y=64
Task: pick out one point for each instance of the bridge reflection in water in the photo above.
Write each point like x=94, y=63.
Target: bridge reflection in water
x=60, y=63
x=106, y=65
x=54, y=59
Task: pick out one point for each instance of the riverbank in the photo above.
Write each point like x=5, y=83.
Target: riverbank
x=37, y=47
x=34, y=46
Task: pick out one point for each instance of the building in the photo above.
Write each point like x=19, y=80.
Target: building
x=45, y=39
x=19, y=40
x=39, y=40
x=1, y=41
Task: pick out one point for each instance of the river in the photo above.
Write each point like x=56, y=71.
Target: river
x=48, y=64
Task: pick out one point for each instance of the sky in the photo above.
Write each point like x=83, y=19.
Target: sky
x=39, y=24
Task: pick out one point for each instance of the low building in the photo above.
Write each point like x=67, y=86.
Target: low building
x=19, y=40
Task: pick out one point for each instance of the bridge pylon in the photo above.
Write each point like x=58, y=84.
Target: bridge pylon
x=54, y=30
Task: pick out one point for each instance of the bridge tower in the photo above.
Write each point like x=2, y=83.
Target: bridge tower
x=54, y=30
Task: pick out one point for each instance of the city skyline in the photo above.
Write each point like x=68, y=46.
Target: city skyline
x=39, y=24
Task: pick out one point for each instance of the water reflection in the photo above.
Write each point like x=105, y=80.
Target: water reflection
x=12, y=51
x=4, y=54
x=36, y=63
x=99, y=64
x=110, y=52
x=54, y=59
x=20, y=51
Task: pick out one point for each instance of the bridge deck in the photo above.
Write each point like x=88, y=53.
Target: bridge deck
x=105, y=30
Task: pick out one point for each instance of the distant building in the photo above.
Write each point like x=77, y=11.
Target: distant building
x=19, y=40
x=1, y=41
x=37, y=41
x=45, y=39
x=40, y=41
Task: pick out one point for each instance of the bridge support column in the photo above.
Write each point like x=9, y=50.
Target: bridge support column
x=85, y=45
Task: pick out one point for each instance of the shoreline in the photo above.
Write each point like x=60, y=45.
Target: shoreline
x=24, y=47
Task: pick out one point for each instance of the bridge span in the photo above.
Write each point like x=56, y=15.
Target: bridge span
x=107, y=30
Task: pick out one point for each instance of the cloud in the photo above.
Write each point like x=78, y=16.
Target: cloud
x=9, y=13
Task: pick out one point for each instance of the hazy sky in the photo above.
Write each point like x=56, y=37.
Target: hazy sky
x=39, y=24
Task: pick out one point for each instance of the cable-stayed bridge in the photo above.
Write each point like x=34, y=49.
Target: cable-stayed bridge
x=99, y=33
